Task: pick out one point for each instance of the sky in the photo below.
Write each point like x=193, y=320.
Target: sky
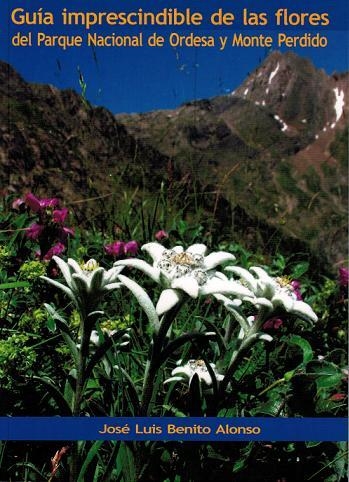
x=126, y=79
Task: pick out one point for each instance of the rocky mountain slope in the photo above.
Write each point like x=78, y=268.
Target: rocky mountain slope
x=269, y=158
x=53, y=142
x=276, y=146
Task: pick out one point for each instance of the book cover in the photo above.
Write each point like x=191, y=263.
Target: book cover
x=173, y=241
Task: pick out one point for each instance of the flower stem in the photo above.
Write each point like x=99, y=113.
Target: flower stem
x=153, y=363
x=86, y=329
x=274, y=384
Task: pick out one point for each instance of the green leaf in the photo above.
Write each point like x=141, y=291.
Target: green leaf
x=88, y=459
x=329, y=381
x=312, y=444
x=14, y=284
x=50, y=324
x=270, y=408
x=55, y=393
x=304, y=345
x=69, y=389
x=300, y=269
x=102, y=350
x=68, y=340
x=64, y=329
x=328, y=375
x=32, y=469
x=126, y=464
x=238, y=465
x=174, y=410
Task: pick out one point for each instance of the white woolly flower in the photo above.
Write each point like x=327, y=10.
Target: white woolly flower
x=272, y=293
x=192, y=367
x=190, y=271
x=85, y=284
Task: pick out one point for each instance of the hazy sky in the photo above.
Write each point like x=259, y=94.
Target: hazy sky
x=142, y=79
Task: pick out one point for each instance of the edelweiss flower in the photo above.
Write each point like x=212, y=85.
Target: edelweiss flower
x=189, y=271
x=87, y=283
x=273, y=293
x=192, y=367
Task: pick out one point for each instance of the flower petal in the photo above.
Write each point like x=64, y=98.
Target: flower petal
x=197, y=249
x=82, y=283
x=168, y=299
x=283, y=299
x=112, y=286
x=259, y=302
x=111, y=275
x=245, y=275
x=216, y=285
x=303, y=310
x=155, y=250
x=261, y=273
x=173, y=379
x=62, y=287
x=95, y=280
x=143, y=299
x=64, y=267
x=187, y=284
x=265, y=337
x=235, y=302
x=178, y=249
x=146, y=268
x=219, y=257
x=74, y=266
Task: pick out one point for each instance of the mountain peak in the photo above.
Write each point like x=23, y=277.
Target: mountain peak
x=302, y=98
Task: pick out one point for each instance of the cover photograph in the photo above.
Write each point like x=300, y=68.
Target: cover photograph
x=174, y=241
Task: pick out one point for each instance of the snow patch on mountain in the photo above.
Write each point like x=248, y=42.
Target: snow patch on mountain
x=284, y=126
x=339, y=103
x=273, y=73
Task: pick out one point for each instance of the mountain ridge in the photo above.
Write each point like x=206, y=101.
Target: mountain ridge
x=270, y=147
x=273, y=162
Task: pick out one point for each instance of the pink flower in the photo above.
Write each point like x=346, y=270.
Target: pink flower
x=33, y=202
x=297, y=289
x=56, y=250
x=59, y=215
x=343, y=276
x=273, y=324
x=50, y=202
x=37, y=205
x=115, y=249
x=160, y=235
x=17, y=203
x=34, y=231
x=131, y=248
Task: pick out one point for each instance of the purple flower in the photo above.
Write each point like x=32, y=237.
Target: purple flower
x=115, y=249
x=343, y=276
x=34, y=231
x=297, y=289
x=160, y=235
x=273, y=323
x=33, y=202
x=131, y=248
x=59, y=215
x=50, y=202
x=56, y=250
x=37, y=205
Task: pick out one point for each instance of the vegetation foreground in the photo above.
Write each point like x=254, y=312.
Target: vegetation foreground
x=161, y=316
